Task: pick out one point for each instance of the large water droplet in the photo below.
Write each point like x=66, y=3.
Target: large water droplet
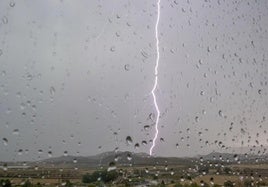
x=65, y=153
x=137, y=146
x=49, y=153
x=129, y=157
x=129, y=140
x=5, y=141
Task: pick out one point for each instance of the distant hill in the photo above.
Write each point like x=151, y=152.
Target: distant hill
x=232, y=157
x=126, y=158
x=110, y=159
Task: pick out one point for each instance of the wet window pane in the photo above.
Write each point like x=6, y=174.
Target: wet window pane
x=133, y=93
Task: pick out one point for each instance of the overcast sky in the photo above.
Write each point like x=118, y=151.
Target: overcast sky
x=76, y=76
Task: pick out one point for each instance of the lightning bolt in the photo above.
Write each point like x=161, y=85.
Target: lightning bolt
x=156, y=76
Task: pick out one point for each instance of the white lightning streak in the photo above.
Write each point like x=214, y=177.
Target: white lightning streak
x=156, y=76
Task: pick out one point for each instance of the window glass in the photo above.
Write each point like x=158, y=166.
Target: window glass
x=82, y=82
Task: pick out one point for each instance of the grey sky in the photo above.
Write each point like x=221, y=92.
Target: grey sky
x=77, y=75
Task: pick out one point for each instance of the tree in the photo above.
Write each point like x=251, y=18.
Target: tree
x=227, y=170
x=104, y=175
x=5, y=183
x=87, y=178
x=162, y=184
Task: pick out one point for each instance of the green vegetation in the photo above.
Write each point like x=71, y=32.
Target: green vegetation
x=248, y=183
x=27, y=183
x=227, y=170
x=228, y=184
x=5, y=183
x=178, y=185
x=104, y=175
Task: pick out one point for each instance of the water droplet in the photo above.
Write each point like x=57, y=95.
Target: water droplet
x=49, y=153
x=162, y=140
x=117, y=34
x=129, y=157
x=127, y=67
x=12, y=4
x=52, y=90
x=20, y=151
x=15, y=131
x=5, y=141
x=29, y=77
x=196, y=119
x=144, y=142
x=146, y=127
x=137, y=146
x=22, y=106
x=116, y=158
x=112, y=49
x=144, y=54
x=75, y=160
x=129, y=140
x=111, y=167
x=5, y=20
x=151, y=116
x=212, y=180
x=65, y=153
x=236, y=157
x=5, y=169
x=146, y=170
x=220, y=113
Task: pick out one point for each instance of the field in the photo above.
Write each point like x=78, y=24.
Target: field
x=139, y=176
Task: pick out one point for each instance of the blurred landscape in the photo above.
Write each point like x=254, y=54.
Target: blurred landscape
x=139, y=169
